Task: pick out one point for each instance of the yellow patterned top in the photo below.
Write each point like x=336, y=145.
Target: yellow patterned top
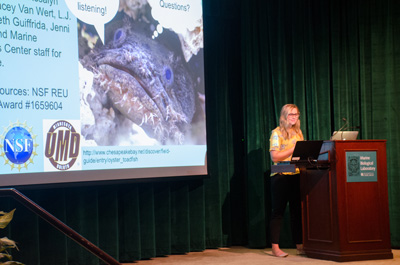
x=278, y=143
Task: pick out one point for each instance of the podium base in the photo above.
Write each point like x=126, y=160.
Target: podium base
x=349, y=256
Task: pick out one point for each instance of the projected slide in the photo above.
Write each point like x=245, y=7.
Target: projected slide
x=101, y=90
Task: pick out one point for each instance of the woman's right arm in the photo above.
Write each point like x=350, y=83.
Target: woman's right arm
x=277, y=156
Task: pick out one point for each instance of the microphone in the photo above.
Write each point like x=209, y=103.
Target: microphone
x=345, y=124
x=341, y=128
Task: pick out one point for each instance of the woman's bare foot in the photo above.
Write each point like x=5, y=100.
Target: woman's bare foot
x=300, y=249
x=277, y=252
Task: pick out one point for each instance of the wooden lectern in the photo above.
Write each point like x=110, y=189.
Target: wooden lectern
x=345, y=202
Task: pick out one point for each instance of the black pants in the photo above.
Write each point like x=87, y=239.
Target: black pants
x=286, y=189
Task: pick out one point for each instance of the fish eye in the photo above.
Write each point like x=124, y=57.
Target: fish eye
x=168, y=75
x=119, y=36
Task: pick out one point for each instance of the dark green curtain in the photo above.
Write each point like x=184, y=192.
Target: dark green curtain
x=334, y=59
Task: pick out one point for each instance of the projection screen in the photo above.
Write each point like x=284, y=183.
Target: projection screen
x=94, y=90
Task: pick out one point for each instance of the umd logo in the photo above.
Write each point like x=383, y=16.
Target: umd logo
x=62, y=145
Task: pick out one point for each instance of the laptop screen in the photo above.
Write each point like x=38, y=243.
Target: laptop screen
x=306, y=151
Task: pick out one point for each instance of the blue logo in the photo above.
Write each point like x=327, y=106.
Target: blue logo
x=18, y=146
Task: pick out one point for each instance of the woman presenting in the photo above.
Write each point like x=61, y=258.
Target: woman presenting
x=285, y=186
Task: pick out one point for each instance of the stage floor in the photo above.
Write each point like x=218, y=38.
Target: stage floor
x=246, y=256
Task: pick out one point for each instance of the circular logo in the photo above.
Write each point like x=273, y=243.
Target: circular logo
x=18, y=145
x=62, y=145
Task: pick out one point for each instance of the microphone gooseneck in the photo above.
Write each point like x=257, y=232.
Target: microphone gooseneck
x=342, y=128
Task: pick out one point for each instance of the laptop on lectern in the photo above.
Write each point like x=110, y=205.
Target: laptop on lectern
x=306, y=151
x=344, y=135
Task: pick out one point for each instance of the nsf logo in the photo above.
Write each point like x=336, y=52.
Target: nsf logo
x=18, y=145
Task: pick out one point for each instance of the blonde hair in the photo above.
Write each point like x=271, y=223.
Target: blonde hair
x=285, y=125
